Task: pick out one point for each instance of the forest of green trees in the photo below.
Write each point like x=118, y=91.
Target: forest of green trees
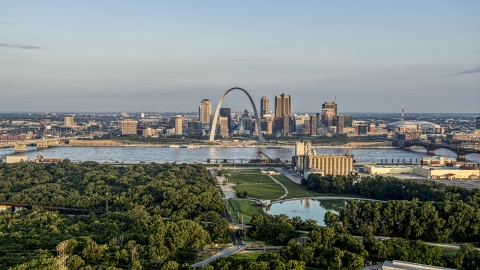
x=159, y=215
x=415, y=210
x=330, y=248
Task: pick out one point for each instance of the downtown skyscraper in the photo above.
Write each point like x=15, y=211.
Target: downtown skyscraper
x=264, y=106
x=283, y=105
x=204, y=111
x=329, y=114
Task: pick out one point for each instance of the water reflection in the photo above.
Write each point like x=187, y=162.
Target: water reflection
x=307, y=204
x=308, y=208
x=333, y=205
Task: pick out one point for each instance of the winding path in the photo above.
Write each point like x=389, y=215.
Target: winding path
x=286, y=190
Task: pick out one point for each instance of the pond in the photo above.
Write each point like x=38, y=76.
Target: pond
x=309, y=208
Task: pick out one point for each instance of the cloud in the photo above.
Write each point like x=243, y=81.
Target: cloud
x=28, y=47
x=5, y=22
x=473, y=70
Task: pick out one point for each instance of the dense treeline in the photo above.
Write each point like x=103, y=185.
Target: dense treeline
x=278, y=229
x=415, y=210
x=429, y=221
x=177, y=191
x=133, y=238
x=159, y=215
x=387, y=188
x=266, y=261
x=327, y=248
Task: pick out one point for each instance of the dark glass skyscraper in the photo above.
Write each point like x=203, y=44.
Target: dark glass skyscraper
x=226, y=112
x=264, y=106
x=329, y=114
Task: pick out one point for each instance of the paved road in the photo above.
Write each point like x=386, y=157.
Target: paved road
x=227, y=190
x=238, y=245
x=286, y=190
x=223, y=253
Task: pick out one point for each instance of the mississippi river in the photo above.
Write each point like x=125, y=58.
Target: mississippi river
x=166, y=154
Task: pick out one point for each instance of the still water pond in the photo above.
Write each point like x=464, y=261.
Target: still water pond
x=309, y=208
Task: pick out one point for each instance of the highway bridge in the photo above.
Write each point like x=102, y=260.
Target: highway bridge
x=21, y=146
x=460, y=151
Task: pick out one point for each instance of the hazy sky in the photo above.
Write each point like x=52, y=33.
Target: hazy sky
x=168, y=55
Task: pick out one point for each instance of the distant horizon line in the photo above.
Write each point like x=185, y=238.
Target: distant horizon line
x=196, y=112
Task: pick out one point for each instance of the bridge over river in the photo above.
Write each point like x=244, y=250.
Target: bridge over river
x=460, y=151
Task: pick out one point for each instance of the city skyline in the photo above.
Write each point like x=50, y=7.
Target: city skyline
x=125, y=56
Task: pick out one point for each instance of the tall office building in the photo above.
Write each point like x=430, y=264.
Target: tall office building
x=195, y=127
x=226, y=112
x=129, y=127
x=69, y=121
x=204, y=111
x=343, y=121
x=264, y=107
x=283, y=105
x=329, y=114
x=223, y=121
x=246, y=119
x=267, y=126
x=313, y=125
x=178, y=125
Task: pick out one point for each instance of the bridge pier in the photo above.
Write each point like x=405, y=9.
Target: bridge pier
x=19, y=148
x=42, y=145
x=431, y=151
x=461, y=156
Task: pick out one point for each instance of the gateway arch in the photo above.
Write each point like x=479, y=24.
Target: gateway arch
x=213, y=128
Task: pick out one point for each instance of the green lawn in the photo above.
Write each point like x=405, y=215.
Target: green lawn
x=294, y=190
x=257, y=185
x=270, y=191
x=263, y=187
x=245, y=208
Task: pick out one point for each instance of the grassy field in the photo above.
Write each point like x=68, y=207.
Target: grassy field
x=257, y=185
x=294, y=190
x=245, y=208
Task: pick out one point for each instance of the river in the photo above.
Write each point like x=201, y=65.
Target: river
x=166, y=154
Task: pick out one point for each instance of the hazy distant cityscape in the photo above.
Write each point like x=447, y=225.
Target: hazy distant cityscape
x=276, y=120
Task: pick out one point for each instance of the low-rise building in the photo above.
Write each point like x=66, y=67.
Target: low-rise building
x=425, y=171
x=16, y=159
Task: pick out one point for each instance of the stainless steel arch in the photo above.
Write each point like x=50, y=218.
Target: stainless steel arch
x=217, y=111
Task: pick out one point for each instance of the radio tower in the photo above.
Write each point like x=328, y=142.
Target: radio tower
x=403, y=114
